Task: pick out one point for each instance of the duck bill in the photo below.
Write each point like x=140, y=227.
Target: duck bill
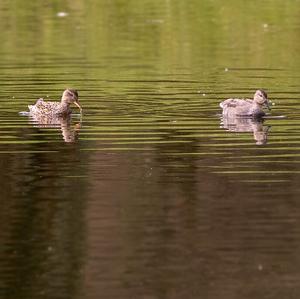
x=78, y=105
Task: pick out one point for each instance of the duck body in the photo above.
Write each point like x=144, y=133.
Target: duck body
x=47, y=109
x=50, y=109
x=241, y=108
x=245, y=107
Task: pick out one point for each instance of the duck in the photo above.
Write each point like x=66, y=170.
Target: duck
x=246, y=107
x=50, y=110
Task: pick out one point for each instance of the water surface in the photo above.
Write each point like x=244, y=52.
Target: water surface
x=154, y=197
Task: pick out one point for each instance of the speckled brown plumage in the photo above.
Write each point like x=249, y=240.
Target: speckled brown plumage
x=45, y=109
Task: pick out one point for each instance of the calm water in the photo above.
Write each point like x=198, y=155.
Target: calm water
x=150, y=195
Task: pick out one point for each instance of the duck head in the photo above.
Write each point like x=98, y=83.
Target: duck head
x=70, y=96
x=261, y=98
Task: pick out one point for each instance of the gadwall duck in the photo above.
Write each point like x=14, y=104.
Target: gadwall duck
x=246, y=107
x=55, y=109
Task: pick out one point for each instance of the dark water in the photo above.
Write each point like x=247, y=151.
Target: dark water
x=155, y=196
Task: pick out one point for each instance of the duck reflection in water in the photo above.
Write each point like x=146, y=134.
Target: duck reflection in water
x=239, y=125
x=70, y=131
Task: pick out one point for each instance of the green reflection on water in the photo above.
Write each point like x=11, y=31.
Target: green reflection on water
x=145, y=203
